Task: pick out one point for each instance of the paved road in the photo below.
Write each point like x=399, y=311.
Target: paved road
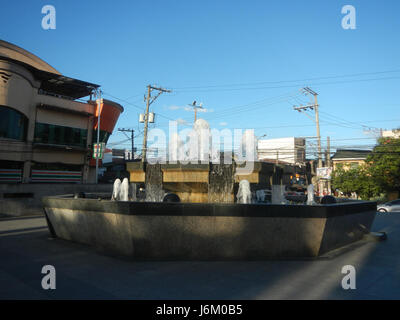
x=83, y=273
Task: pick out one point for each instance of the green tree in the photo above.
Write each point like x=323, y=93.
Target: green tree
x=380, y=174
x=357, y=180
x=384, y=164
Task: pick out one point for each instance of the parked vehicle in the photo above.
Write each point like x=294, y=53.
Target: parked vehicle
x=391, y=206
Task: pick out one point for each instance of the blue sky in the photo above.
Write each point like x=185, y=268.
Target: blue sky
x=237, y=57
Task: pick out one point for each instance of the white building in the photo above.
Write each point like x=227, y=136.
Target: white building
x=395, y=133
x=290, y=150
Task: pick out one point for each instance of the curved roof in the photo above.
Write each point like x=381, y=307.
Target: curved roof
x=14, y=52
x=51, y=80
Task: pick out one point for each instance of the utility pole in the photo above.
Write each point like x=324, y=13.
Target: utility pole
x=132, y=136
x=149, y=101
x=328, y=160
x=195, y=107
x=314, y=106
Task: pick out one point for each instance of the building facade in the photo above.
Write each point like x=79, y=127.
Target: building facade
x=47, y=130
x=349, y=158
x=395, y=133
x=282, y=150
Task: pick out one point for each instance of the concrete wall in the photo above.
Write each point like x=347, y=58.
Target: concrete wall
x=31, y=205
x=166, y=231
x=20, y=93
x=19, y=90
x=342, y=230
x=190, y=237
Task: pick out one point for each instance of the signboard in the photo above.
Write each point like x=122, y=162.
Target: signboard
x=98, y=150
x=118, y=152
x=324, y=172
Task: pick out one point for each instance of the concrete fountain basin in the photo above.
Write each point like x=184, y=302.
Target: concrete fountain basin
x=207, y=231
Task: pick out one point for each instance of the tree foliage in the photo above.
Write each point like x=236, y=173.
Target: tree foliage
x=379, y=174
x=384, y=164
x=355, y=180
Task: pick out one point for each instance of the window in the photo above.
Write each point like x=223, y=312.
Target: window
x=13, y=124
x=53, y=134
x=354, y=165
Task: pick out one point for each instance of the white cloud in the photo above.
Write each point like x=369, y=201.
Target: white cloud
x=223, y=123
x=188, y=108
x=181, y=121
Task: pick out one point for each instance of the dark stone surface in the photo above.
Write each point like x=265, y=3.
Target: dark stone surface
x=207, y=231
x=210, y=209
x=328, y=199
x=171, y=197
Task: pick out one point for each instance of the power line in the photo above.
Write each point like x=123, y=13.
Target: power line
x=134, y=105
x=286, y=81
x=294, y=85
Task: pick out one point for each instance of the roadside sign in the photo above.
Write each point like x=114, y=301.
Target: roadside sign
x=98, y=150
x=324, y=172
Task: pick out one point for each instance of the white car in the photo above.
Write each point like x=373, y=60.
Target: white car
x=391, y=206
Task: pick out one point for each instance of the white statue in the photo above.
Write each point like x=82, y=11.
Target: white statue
x=244, y=192
x=116, y=189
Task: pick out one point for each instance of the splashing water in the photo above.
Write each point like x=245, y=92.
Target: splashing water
x=124, y=190
x=278, y=194
x=244, y=192
x=310, y=194
x=116, y=189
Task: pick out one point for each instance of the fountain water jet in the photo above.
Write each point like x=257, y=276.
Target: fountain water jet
x=310, y=195
x=244, y=192
x=278, y=194
x=124, y=190
x=116, y=189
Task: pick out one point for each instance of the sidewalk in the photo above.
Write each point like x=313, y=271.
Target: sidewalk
x=82, y=273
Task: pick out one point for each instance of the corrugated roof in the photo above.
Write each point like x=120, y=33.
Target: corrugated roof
x=351, y=154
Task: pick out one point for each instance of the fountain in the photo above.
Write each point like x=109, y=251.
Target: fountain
x=221, y=182
x=278, y=194
x=116, y=189
x=124, y=190
x=189, y=212
x=153, y=183
x=244, y=192
x=310, y=195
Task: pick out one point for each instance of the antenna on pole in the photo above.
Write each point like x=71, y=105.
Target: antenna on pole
x=195, y=107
